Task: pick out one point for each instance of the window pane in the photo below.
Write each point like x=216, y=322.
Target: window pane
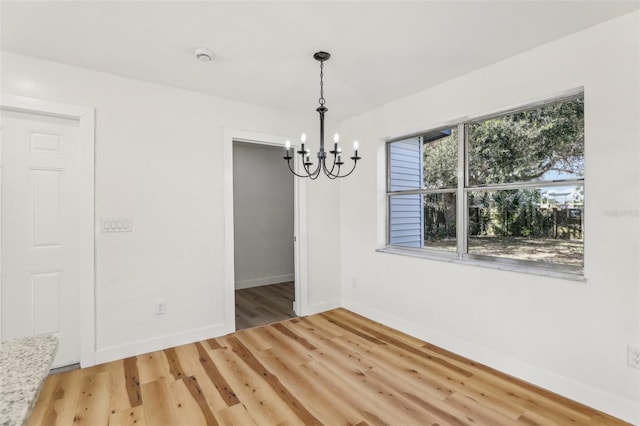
x=536, y=224
x=429, y=161
x=423, y=221
x=405, y=165
x=440, y=153
x=440, y=221
x=405, y=220
x=541, y=144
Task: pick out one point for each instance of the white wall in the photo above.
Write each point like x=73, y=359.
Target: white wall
x=263, y=215
x=568, y=336
x=159, y=160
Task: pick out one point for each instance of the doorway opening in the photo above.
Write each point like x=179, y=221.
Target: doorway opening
x=264, y=219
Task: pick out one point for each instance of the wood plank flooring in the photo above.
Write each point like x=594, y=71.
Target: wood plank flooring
x=264, y=305
x=335, y=368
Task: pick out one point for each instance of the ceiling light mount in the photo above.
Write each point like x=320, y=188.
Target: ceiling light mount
x=203, y=54
x=332, y=171
x=321, y=56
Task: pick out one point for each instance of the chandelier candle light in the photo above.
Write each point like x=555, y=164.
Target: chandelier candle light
x=333, y=171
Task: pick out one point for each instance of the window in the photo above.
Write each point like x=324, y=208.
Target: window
x=507, y=188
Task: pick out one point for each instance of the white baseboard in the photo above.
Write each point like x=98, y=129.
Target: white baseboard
x=323, y=306
x=615, y=406
x=258, y=282
x=126, y=350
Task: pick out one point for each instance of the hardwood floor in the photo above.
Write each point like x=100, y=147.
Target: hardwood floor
x=264, y=305
x=334, y=368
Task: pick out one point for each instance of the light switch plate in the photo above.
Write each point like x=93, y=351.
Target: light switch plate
x=115, y=224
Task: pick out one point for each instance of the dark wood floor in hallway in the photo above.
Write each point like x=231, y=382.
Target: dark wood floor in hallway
x=264, y=305
x=334, y=368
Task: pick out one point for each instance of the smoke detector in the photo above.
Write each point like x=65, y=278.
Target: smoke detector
x=203, y=54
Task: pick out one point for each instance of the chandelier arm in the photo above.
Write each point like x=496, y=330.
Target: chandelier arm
x=327, y=171
x=334, y=176
x=319, y=168
x=350, y=171
x=313, y=175
x=293, y=171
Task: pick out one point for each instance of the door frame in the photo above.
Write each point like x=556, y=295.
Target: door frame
x=86, y=119
x=301, y=304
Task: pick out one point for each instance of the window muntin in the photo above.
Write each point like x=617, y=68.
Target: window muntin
x=522, y=191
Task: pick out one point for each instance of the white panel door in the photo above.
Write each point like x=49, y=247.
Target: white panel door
x=40, y=230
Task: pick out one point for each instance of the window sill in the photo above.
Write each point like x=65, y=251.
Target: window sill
x=492, y=264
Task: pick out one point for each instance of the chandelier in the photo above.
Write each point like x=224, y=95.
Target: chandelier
x=333, y=171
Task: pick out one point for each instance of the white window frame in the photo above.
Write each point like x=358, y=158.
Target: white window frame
x=462, y=190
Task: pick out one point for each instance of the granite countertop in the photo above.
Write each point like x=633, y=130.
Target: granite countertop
x=24, y=365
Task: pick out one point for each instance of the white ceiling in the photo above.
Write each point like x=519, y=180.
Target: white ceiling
x=381, y=50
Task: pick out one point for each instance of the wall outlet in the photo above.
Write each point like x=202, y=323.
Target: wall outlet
x=633, y=356
x=161, y=307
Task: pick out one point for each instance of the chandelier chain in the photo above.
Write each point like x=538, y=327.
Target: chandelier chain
x=321, y=100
